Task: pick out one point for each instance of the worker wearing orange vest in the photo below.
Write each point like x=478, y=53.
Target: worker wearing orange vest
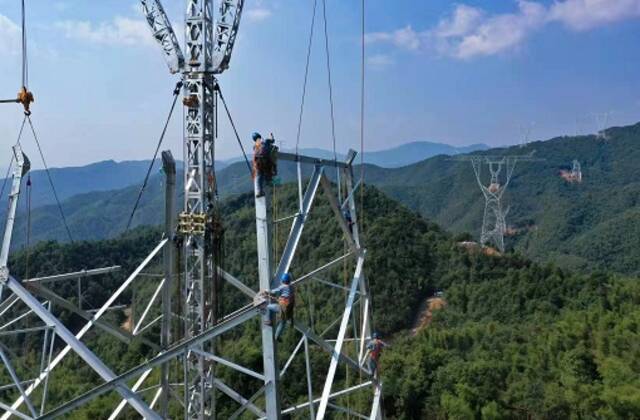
x=264, y=166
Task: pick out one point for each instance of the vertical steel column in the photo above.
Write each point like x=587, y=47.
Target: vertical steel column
x=269, y=356
x=169, y=167
x=365, y=298
x=199, y=194
x=22, y=167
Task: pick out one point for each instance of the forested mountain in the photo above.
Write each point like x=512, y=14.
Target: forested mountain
x=516, y=339
x=70, y=181
x=395, y=157
x=110, y=175
x=589, y=225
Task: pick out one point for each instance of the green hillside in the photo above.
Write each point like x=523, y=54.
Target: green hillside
x=516, y=339
x=398, y=238
x=588, y=225
x=583, y=225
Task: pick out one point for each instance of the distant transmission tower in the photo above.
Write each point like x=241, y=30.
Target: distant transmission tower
x=525, y=133
x=494, y=223
x=576, y=171
x=602, y=121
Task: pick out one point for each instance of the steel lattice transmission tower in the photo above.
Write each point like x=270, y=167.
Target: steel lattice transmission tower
x=194, y=387
x=494, y=225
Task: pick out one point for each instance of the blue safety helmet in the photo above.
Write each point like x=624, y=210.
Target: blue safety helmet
x=286, y=278
x=375, y=335
x=255, y=136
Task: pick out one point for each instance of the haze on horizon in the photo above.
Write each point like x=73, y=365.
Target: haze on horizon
x=460, y=73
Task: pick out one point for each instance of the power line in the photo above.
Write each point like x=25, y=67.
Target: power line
x=306, y=75
x=176, y=93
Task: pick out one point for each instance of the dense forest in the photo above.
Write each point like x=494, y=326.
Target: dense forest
x=516, y=339
x=585, y=226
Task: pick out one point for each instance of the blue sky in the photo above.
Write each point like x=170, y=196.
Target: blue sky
x=459, y=73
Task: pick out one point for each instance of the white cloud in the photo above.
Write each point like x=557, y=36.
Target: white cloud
x=258, y=14
x=587, y=14
x=120, y=31
x=379, y=61
x=499, y=33
x=464, y=20
x=405, y=38
x=471, y=32
x=9, y=36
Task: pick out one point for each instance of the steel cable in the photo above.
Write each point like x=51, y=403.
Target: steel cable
x=53, y=187
x=306, y=75
x=176, y=93
x=235, y=131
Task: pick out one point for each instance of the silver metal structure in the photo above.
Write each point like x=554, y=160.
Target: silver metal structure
x=194, y=391
x=494, y=225
x=576, y=171
x=353, y=325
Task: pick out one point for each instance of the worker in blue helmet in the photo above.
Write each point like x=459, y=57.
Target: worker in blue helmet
x=264, y=162
x=374, y=349
x=286, y=296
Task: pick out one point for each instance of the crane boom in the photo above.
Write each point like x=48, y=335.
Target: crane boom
x=226, y=33
x=163, y=33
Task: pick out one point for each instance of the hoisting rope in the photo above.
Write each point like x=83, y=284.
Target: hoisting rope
x=53, y=187
x=25, y=62
x=306, y=75
x=330, y=85
x=176, y=93
x=233, y=125
x=362, y=98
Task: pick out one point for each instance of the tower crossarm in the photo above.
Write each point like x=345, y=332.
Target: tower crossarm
x=163, y=33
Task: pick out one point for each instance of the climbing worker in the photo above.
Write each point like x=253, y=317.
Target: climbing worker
x=263, y=162
x=286, y=302
x=374, y=348
x=258, y=165
x=347, y=217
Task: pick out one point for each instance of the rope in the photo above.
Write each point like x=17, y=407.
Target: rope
x=53, y=187
x=176, y=93
x=306, y=75
x=362, y=97
x=235, y=131
x=25, y=62
x=330, y=84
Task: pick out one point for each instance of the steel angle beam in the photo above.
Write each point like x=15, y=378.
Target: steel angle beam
x=292, y=157
x=119, y=333
x=298, y=224
x=229, y=323
x=326, y=346
x=74, y=275
x=80, y=349
x=333, y=366
x=103, y=309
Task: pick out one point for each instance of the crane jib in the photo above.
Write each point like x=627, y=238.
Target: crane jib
x=225, y=33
